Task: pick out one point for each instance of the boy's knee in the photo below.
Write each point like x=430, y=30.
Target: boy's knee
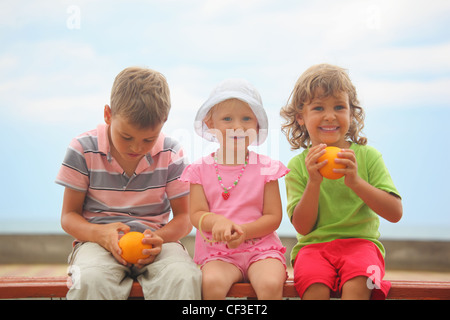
x=175, y=263
x=184, y=276
x=88, y=276
x=183, y=271
x=98, y=283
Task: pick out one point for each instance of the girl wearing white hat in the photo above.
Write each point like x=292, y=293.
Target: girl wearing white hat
x=234, y=196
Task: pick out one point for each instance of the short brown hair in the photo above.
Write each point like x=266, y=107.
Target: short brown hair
x=142, y=96
x=330, y=79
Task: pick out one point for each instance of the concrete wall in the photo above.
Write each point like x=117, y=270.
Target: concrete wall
x=53, y=249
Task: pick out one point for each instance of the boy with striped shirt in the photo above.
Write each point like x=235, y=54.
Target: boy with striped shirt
x=121, y=177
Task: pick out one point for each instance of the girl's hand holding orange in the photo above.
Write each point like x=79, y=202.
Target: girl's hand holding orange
x=332, y=169
x=337, y=163
x=347, y=158
x=313, y=165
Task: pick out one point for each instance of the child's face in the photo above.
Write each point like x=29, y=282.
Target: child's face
x=327, y=119
x=234, y=124
x=127, y=141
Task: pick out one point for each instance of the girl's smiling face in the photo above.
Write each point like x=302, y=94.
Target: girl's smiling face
x=234, y=124
x=327, y=119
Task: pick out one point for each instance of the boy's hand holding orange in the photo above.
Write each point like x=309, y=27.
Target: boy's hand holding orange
x=133, y=244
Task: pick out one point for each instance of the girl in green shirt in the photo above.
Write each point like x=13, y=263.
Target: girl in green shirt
x=336, y=220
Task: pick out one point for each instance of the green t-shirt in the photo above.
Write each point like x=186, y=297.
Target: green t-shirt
x=342, y=214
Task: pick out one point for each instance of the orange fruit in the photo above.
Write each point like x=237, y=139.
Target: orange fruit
x=327, y=170
x=132, y=246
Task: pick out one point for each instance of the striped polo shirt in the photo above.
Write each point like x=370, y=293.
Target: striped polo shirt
x=141, y=201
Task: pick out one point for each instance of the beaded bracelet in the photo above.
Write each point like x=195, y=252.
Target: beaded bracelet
x=200, y=226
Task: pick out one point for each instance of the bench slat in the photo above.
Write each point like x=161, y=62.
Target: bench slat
x=56, y=287
x=33, y=287
x=423, y=290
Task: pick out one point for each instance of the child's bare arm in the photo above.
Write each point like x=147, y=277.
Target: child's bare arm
x=221, y=227
x=198, y=206
x=180, y=225
x=386, y=205
x=383, y=203
x=272, y=213
x=304, y=216
x=75, y=224
x=305, y=212
x=173, y=231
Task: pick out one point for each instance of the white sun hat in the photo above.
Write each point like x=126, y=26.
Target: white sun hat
x=228, y=89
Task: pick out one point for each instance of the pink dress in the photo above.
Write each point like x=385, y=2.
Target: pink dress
x=244, y=205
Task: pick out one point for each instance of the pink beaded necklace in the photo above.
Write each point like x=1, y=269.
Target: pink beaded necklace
x=226, y=190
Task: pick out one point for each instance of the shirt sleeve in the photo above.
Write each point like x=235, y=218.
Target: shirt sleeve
x=74, y=171
x=274, y=171
x=379, y=175
x=295, y=182
x=191, y=174
x=176, y=188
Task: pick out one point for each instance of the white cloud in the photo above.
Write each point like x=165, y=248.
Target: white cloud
x=260, y=40
x=53, y=81
x=396, y=51
x=428, y=60
x=53, y=98
x=19, y=13
x=184, y=107
x=69, y=110
x=213, y=9
x=404, y=94
x=8, y=62
x=402, y=15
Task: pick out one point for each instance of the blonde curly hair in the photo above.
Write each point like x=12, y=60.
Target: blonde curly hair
x=331, y=79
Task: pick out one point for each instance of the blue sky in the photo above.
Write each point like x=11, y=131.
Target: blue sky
x=58, y=60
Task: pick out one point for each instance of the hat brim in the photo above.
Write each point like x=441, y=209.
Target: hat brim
x=263, y=124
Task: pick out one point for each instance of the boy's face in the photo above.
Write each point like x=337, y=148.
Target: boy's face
x=234, y=124
x=129, y=142
x=327, y=119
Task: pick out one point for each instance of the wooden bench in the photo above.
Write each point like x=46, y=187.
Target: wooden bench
x=57, y=287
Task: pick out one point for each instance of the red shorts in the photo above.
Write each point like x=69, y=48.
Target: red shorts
x=333, y=263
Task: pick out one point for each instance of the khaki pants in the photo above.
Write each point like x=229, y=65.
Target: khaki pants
x=96, y=274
